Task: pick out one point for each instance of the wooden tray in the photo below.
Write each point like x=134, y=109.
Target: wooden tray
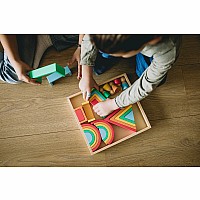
x=142, y=123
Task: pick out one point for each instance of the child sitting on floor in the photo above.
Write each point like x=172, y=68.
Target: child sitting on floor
x=23, y=53
x=163, y=49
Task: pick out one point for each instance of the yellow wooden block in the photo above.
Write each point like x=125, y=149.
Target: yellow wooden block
x=107, y=87
x=88, y=111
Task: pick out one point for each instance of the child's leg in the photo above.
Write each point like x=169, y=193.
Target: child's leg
x=43, y=43
x=60, y=42
x=7, y=72
x=26, y=48
x=104, y=62
x=31, y=50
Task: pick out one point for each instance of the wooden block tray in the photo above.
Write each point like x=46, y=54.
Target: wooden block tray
x=121, y=134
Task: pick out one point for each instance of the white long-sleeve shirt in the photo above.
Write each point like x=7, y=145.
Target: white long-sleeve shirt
x=164, y=56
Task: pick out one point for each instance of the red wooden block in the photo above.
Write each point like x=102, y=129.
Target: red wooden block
x=80, y=114
x=94, y=102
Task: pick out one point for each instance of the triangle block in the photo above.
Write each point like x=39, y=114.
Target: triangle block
x=123, y=118
x=128, y=116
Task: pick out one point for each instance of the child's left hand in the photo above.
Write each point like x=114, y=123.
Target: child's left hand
x=76, y=58
x=106, y=107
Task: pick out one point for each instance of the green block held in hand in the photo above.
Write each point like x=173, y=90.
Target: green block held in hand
x=44, y=71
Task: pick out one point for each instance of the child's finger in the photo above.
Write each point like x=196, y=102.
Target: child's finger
x=97, y=110
x=72, y=60
x=88, y=95
x=84, y=95
x=28, y=80
x=96, y=86
x=100, y=113
x=79, y=71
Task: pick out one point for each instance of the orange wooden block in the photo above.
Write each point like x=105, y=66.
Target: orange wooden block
x=88, y=111
x=115, y=88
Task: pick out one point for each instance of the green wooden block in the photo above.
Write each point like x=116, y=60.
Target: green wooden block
x=44, y=71
x=39, y=80
x=106, y=94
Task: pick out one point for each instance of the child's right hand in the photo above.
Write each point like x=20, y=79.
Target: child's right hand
x=86, y=85
x=21, y=69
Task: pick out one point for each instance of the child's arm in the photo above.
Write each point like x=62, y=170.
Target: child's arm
x=76, y=57
x=142, y=87
x=88, y=56
x=10, y=46
x=164, y=56
x=87, y=82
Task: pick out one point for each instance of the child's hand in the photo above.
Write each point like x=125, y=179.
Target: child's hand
x=76, y=58
x=86, y=84
x=21, y=69
x=105, y=107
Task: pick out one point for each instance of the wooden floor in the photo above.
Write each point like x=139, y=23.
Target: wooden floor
x=37, y=127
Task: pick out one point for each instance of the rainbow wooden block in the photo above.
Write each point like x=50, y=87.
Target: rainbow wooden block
x=93, y=136
x=49, y=69
x=106, y=130
x=81, y=114
x=96, y=97
x=55, y=76
x=88, y=111
x=123, y=118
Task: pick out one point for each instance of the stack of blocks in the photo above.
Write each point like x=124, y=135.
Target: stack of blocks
x=52, y=71
x=97, y=130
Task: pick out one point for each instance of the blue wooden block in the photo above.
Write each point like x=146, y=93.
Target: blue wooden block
x=67, y=71
x=55, y=76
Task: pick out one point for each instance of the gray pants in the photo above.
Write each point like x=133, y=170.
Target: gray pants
x=26, y=47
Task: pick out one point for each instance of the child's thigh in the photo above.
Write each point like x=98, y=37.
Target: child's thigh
x=7, y=72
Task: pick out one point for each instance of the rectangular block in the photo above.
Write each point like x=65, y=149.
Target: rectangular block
x=67, y=71
x=55, y=76
x=81, y=114
x=88, y=111
x=49, y=69
x=39, y=80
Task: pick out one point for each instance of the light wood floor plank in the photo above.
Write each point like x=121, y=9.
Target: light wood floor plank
x=54, y=149
x=170, y=142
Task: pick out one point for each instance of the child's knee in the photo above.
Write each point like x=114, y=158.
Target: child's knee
x=8, y=78
x=8, y=75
